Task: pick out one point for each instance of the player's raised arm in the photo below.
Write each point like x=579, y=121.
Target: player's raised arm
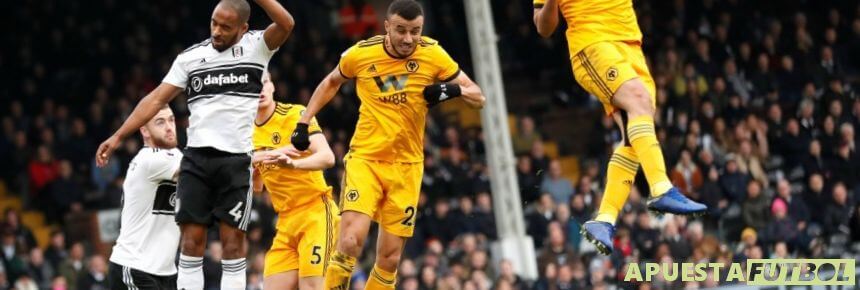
x=324, y=92
x=143, y=112
x=280, y=30
x=546, y=17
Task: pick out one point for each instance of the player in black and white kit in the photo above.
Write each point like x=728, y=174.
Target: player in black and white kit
x=222, y=77
x=149, y=195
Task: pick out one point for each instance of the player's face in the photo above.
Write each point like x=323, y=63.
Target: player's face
x=267, y=94
x=404, y=34
x=162, y=129
x=226, y=27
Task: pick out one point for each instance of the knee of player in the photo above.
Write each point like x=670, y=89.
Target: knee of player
x=636, y=99
x=350, y=245
x=388, y=260
x=192, y=245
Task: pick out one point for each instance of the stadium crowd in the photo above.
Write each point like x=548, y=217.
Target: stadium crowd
x=757, y=116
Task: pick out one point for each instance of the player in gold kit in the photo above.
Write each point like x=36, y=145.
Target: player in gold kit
x=605, y=49
x=307, y=215
x=398, y=76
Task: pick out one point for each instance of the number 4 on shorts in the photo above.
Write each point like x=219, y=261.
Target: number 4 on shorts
x=236, y=212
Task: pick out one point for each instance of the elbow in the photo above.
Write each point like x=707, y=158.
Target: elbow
x=328, y=161
x=545, y=32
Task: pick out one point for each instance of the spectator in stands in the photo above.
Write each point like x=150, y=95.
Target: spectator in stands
x=56, y=252
x=23, y=234
x=10, y=257
x=555, y=250
x=538, y=218
x=782, y=228
x=838, y=211
x=507, y=274
x=528, y=180
x=96, y=276
x=439, y=225
x=39, y=269
x=42, y=170
x=755, y=207
x=796, y=208
x=73, y=267
x=733, y=182
x=525, y=136
x=358, y=20
x=687, y=176
x=64, y=193
x=558, y=186
x=644, y=235
x=540, y=162
x=815, y=198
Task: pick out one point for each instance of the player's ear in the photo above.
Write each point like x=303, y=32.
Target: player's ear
x=244, y=28
x=387, y=25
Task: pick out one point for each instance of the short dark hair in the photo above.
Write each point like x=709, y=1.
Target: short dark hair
x=242, y=8
x=408, y=9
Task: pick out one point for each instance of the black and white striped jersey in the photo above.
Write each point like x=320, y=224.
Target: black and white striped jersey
x=148, y=235
x=223, y=90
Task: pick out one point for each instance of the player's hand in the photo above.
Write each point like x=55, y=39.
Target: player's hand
x=437, y=93
x=300, y=138
x=106, y=150
x=280, y=159
x=261, y=156
x=292, y=152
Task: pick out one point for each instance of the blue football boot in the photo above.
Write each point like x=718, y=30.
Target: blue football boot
x=600, y=234
x=674, y=202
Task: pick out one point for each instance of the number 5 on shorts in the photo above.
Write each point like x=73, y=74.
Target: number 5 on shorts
x=316, y=254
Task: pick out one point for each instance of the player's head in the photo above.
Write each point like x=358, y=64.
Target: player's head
x=403, y=24
x=229, y=22
x=160, y=131
x=267, y=94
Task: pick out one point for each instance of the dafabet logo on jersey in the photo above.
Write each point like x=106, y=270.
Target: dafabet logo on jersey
x=755, y=272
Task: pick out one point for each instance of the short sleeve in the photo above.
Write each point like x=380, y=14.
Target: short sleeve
x=539, y=3
x=259, y=40
x=347, y=63
x=177, y=75
x=448, y=68
x=314, y=126
x=164, y=165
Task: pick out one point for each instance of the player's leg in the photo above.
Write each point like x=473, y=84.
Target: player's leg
x=389, y=248
x=192, y=245
x=617, y=73
x=193, y=213
x=318, y=222
x=360, y=195
x=619, y=178
x=282, y=260
x=116, y=277
x=233, y=208
x=397, y=222
x=285, y=280
x=637, y=97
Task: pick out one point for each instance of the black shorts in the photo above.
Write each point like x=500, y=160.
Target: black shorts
x=214, y=186
x=124, y=278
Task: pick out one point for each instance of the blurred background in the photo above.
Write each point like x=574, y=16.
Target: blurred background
x=758, y=114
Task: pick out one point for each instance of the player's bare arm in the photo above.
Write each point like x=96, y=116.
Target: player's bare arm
x=257, y=180
x=471, y=92
x=143, y=112
x=280, y=30
x=324, y=92
x=546, y=18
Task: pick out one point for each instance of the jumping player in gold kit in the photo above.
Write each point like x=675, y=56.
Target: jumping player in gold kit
x=397, y=78
x=307, y=215
x=605, y=49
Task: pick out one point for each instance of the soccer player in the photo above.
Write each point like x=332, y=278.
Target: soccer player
x=222, y=77
x=306, y=212
x=605, y=48
x=149, y=196
x=397, y=77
